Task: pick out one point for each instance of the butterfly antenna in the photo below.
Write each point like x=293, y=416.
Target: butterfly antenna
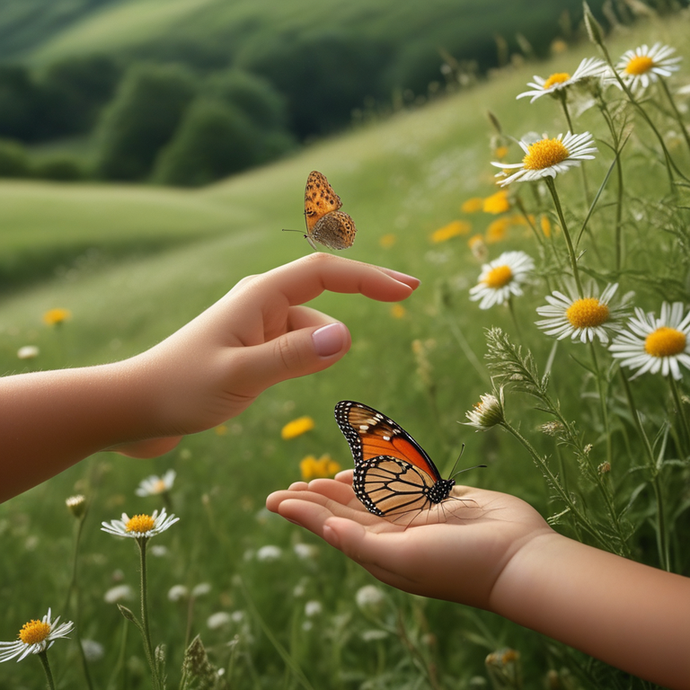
x=454, y=473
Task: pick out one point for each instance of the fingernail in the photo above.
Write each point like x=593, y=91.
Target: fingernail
x=404, y=278
x=330, y=339
x=329, y=535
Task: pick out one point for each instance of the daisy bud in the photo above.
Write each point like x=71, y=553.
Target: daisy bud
x=594, y=30
x=488, y=412
x=76, y=505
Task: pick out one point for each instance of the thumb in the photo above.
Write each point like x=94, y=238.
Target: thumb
x=296, y=353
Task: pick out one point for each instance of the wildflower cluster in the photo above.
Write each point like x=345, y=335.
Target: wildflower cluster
x=583, y=278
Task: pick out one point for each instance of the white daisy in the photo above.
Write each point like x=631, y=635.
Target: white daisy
x=654, y=344
x=548, y=157
x=588, y=68
x=643, y=66
x=140, y=526
x=35, y=637
x=584, y=318
x=501, y=278
x=154, y=485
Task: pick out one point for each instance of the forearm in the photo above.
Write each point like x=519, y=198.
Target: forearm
x=629, y=615
x=51, y=420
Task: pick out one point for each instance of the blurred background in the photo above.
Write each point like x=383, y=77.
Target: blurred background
x=185, y=92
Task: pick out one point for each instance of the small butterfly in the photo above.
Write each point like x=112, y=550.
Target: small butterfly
x=393, y=474
x=326, y=223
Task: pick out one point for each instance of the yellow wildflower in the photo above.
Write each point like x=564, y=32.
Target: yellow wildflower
x=501, y=152
x=497, y=231
x=398, y=311
x=54, y=317
x=324, y=467
x=472, y=205
x=457, y=227
x=297, y=427
x=387, y=241
x=496, y=203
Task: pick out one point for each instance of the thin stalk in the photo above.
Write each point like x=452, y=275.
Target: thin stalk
x=571, y=250
x=619, y=175
x=74, y=587
x=678, y=116
x=662, y=544
x=563, y=98
x=516, y=323
x=557, y=487
x=43, y=656
x=146, y=633
x=681, y=413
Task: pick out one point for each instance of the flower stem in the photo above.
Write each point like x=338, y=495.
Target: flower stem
x=571, y=250
x=563, y=98
x=553, y=481
x=662, y=543
x=146, y=633
x=678, y=116
x=43, y=656
x=681, y=413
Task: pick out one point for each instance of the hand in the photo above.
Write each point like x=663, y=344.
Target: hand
x=456, y=551
x=257, y=335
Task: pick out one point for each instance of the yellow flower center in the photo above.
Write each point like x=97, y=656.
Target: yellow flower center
x=557, y=78
x=34, y=632
x=159, y=486
x=545, y=153
x=140, y=523
x=498, y=277
x=665, y=342
x=587, y=312
x=639, y=65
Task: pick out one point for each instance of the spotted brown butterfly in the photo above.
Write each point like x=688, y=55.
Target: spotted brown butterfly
x=326, y=223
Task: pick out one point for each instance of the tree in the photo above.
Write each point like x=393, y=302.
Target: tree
x=141, y=119
x=213, y=140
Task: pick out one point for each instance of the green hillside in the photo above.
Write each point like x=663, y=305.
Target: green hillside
x=134, y=263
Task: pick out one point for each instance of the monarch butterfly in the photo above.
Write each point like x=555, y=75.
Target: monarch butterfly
x=393, y=474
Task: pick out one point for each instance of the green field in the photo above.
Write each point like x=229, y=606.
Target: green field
x=133, y=264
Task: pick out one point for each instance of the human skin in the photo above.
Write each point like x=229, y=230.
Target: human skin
x=493, y=551
x=210, y=370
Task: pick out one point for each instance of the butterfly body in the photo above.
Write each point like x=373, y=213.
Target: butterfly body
x=326, y=223
x=393, y=474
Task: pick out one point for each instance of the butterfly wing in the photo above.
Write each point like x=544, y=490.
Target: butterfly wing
x=370, y=433
x=336, y=230
x=391, y=488
x=393, y=474
x=319, y=199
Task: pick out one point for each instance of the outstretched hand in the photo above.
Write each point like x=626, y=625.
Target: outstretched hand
x=456, y=551
x=256, y=336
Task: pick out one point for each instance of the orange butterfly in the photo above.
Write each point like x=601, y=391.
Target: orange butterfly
x=326, y=223
x=393, y=474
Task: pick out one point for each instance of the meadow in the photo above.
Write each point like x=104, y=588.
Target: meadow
x=132, y=264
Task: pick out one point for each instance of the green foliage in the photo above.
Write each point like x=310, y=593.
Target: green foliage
x=324, y=75
x=13, y=159
x=142, y=118
x=212, y=141
x=19, y=103
x=77, y=88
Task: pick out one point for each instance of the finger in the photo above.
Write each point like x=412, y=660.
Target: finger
x=345, y=476
x=288, y=356
x=312, y=511
x=306, y=278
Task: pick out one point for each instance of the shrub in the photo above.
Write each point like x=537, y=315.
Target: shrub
x=13, y=159
x=142, y=119
x=214, y=139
